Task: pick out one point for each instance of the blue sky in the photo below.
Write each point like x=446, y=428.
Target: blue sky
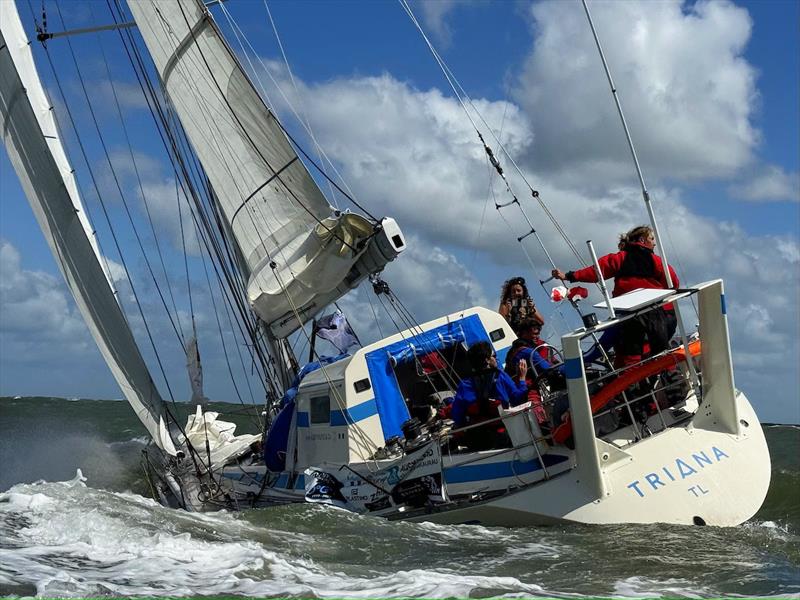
x=711, y=94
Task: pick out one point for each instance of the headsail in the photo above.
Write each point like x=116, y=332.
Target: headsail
x=300, y=254
x=36, y=152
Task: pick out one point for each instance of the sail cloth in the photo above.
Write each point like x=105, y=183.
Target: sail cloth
x=296, y=249
x=35, y=150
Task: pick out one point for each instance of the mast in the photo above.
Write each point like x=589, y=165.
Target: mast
x=298, y=253
x=35, y=150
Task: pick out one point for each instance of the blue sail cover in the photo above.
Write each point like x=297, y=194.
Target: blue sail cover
x=392, y=408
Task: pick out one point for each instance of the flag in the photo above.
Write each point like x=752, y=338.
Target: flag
x=335, y=328
x=577, y=292
x=558, y=293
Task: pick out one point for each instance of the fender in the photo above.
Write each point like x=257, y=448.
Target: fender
x=627, y=379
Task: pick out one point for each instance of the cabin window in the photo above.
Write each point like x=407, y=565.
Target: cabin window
x=497, y=334
x=362, y=385
x=320, y=410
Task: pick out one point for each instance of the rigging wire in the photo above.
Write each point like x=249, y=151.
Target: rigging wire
x=178, y=329
x=460, y=95
x=349, y=194
x=97, y=188
x=306, y=123
x=225, y=265
x=258, y=421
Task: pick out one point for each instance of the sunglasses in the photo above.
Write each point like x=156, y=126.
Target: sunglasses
x=517, y=281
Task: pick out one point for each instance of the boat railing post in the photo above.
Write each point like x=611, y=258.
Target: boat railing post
x=586, y=454
x=527, y=415
x=636, y=428
x=719, y=389
x=658, y=408
x=600, y=281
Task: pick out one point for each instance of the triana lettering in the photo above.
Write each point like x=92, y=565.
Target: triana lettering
x=678, y=470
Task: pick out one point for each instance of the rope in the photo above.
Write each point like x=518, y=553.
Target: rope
x=360, y=435
x=459, y=92
x=226, y=262
x=100, y=198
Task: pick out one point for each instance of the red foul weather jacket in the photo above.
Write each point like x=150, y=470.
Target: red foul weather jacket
x=634, y=267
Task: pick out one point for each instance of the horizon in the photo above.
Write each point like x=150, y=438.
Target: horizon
x=710, y=91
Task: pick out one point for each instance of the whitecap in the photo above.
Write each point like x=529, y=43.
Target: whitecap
x=642, y=587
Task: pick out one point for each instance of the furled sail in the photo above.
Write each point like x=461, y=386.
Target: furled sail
x=300, y=254
x=35, y=150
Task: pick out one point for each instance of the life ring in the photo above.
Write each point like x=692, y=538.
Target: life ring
x=624, y=381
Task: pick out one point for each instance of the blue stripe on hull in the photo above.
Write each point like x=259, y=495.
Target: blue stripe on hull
x=482, y=472
x=359, y=412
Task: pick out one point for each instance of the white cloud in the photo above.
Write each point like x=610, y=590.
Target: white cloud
x=429, y=281
x=35, y=303
x=687, y=92
x=45, y=347
x=114, y=270
x=413, y=155
x=770, y=184
x=434, y=14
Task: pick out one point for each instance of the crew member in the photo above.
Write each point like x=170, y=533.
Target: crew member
x=634, y=266
x=478, y=396
x=516, y=304
x=529, y=348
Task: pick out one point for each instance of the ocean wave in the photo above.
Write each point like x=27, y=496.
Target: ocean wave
x=642, y=587
x=78, y=541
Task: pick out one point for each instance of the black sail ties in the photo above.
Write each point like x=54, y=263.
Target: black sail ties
x=262, y=186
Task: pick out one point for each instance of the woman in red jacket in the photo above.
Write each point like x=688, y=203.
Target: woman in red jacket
x=635, y=266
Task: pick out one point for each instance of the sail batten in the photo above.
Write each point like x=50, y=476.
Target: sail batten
x=38, y=157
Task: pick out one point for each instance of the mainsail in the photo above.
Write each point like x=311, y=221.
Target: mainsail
x=35, y=150
x=300, y=254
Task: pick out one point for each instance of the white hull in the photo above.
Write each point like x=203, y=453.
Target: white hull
x=692, y=462
x=683, y=475
x=726, y=492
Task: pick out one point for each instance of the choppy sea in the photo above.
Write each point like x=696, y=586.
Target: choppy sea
x=76, y=519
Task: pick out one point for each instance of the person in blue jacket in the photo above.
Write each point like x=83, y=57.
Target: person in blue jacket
x=478, y=396
x=529, y=347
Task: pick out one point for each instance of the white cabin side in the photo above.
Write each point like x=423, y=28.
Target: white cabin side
x=349, y=409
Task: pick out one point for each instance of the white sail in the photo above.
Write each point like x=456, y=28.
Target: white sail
x=35, y=150
x=299, y=253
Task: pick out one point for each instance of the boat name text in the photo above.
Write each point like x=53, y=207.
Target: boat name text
x=679, y=470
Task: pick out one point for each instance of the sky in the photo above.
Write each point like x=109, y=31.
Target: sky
x=710, y=91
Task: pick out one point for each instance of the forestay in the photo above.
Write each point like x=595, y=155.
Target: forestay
x=296, y=249
x=35, y=150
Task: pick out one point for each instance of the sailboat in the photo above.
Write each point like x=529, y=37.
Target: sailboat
x=361, y=430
